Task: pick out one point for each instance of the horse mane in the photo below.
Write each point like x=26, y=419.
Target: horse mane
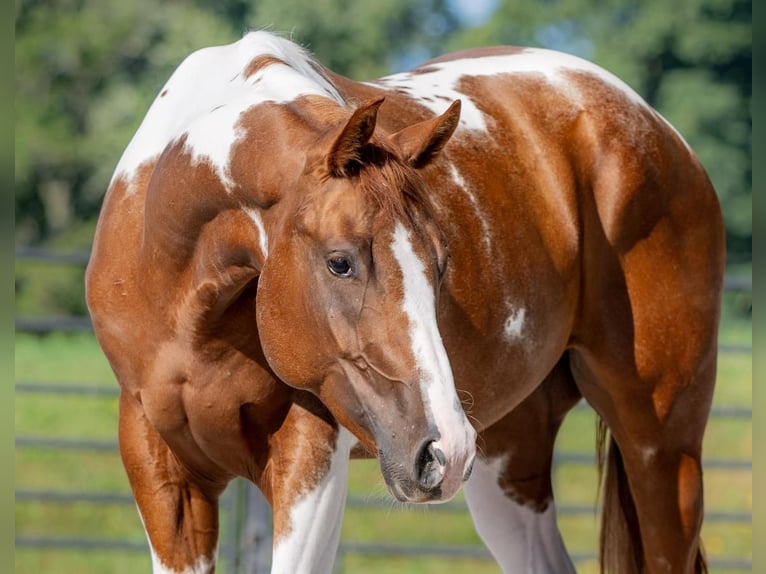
x=267, y=47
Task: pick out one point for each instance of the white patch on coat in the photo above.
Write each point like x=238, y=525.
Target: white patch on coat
x=458, y=438
x=263, y=238
x=442, y=80
x=315, y=520
x=208, y=92
x=521, y=539
x=648, y=454
x=486, y=235
x=514, y=325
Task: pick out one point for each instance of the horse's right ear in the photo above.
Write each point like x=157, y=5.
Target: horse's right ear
x=347, y=146
x=420, y=143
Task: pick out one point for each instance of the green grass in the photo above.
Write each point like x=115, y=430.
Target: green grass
x=68, y=359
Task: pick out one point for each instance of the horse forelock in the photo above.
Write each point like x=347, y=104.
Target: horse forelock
x=396, y=189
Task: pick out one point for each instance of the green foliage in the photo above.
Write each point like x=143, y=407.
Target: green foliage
x=66, y=359
x=87, y=70
x=362, y=40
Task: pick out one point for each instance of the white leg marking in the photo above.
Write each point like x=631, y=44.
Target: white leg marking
x=316, y=520
x=520, y=539
x=203, y=565
x=458, y=438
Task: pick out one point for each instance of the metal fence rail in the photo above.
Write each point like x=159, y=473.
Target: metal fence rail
x=247, y=547
x=80, y=445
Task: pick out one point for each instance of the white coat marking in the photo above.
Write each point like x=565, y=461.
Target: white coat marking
x=316, y=519
x=460, y=181
x=458, y=438
x=648, y=454
x=443, y=79
x=263, y=238
x=208, y=92
x=514, y=325
x=203, y=565
x=520, y=539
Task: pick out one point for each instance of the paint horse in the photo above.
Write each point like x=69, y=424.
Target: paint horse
x=292, y=267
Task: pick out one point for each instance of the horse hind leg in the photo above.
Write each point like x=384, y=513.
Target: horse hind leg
x=652, y=485
x=509, y=494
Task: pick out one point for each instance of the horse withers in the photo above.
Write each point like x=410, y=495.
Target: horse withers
x=291, y=266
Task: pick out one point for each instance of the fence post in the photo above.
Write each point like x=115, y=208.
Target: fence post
x=256, y=539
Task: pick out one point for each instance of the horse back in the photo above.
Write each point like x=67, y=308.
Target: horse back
x=576, y=216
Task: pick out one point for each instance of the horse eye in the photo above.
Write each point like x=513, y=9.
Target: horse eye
x=339, y=266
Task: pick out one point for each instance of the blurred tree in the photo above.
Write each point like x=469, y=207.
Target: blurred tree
x=362, y=40
x=86, y=71
x=690, y=59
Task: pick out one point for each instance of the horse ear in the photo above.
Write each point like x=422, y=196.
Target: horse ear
x=346, y=149
x=422, y=142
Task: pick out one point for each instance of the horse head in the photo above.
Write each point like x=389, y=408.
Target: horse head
x=347, y=301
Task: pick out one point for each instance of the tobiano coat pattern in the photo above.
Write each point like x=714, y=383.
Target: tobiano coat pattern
x=292, y=268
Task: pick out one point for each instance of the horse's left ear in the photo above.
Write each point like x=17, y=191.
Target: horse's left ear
x=421, y=143
x=347, y=146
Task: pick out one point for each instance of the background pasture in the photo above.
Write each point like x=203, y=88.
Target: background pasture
x=86, y=71
x=74, y=511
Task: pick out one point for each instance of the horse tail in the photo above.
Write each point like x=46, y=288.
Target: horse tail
x=620, y=549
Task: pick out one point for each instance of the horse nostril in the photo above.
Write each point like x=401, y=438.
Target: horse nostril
x=429, y=466
x=469, y=470
x=438, y=454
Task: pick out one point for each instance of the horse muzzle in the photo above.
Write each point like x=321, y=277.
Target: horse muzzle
x=429, y=475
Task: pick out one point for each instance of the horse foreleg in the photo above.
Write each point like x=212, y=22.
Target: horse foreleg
x=179, y=513
x=509, y=493
x=306, y=482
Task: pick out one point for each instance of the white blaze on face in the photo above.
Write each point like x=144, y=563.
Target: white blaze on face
x=458, y=437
